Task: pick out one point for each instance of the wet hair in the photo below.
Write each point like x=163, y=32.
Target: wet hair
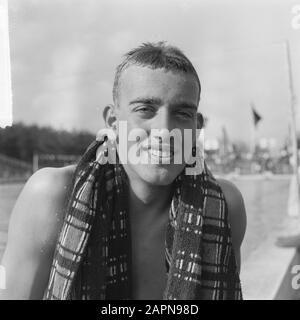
x=155, y=56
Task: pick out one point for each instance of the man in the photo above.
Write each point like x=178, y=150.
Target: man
x=70, y=236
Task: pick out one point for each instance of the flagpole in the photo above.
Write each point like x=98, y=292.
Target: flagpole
x=295, y=161
x=253, y=142
x=256, y=118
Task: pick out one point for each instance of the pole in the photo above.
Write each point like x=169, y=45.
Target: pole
x=295, y=161
x=35, y=162
x=253, y=140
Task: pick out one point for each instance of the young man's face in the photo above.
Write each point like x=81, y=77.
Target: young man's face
x=157, y=99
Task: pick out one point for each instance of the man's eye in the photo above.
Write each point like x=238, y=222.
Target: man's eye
x=144, y=109
x=184, y=114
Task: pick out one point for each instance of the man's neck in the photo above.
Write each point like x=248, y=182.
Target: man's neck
x=147, y=199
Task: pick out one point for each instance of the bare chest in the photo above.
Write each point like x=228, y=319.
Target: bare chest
x=148, y=261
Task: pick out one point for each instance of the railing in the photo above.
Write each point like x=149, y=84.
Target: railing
x=15, y=162
x=13, y=170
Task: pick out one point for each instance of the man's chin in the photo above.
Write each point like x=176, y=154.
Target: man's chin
x=159, y=174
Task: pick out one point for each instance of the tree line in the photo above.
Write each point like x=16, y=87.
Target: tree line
x=21, y=141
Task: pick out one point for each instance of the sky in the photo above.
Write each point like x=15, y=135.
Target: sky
x=64, y=54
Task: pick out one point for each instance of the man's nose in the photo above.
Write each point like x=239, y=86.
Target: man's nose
x=162, y=120
x=161, y=126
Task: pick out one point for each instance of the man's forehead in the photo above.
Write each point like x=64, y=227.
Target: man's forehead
x=135, y=78
x=145, y=72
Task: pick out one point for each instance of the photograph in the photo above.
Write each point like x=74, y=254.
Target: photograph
x=150, y=150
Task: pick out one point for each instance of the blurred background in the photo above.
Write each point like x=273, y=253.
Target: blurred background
x=63, y=55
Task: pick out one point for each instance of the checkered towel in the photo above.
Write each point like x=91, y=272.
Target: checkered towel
x=92, y=259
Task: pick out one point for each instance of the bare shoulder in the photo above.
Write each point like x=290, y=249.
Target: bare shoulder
x=34, y=226
x=236, y=210
x=49, y=179
x=48, y=184
x=40, y=203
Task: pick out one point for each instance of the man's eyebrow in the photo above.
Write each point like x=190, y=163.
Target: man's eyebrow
x=158, y=101
x=146, y=100
x=185, y=105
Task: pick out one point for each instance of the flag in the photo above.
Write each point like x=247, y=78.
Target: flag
x=256, y=116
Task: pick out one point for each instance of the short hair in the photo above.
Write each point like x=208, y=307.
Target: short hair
x=156, y=56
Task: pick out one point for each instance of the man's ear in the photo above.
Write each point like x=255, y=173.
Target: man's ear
x=109, y=116
x=200, y=120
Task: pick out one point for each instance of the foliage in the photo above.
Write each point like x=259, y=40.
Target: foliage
x=21, y=141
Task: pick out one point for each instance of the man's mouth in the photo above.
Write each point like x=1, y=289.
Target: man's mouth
x=161, y=152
